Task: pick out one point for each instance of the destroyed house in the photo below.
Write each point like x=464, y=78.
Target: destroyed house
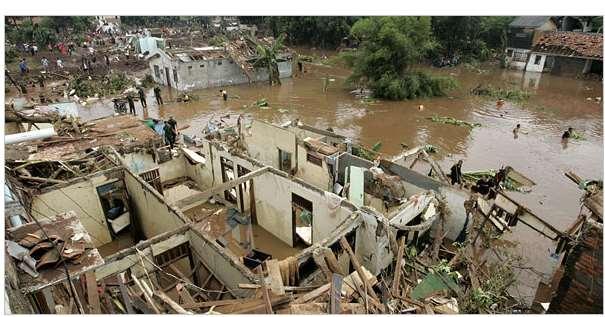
x=211, y=218
x=571, y=53
x=326, y=160
x=204, y=67
x=522, y=34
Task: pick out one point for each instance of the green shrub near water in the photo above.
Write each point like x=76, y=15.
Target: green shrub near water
x=412, y=85
x=511, y=94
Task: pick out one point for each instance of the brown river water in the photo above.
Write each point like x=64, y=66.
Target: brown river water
x=556, y=103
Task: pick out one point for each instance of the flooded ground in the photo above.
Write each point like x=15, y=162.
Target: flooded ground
x=556, y=103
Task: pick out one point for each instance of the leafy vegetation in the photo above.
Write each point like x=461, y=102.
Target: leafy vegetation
x=389, y=46
x=268, y=58
x=470, y=37
x=321, y=31
x=454, y=121
x=511, y=93
x=48, y=31
x=108, y=85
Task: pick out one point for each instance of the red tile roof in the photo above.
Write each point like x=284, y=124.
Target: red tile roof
x=573, y=44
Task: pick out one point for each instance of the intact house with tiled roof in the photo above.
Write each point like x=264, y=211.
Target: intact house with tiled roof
x=573, y=53
x=522, y=34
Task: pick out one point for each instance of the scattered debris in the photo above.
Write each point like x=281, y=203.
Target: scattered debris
x=453, y=121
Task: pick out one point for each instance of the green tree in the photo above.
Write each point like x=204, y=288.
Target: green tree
x=389, y=46
x=322, y=31
x=267, y=58
x=470, y=37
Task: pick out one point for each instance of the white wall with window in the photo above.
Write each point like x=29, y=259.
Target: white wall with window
x=536, y=63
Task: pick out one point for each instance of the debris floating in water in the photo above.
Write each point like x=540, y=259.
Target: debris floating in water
x=454, y=121
x=262, y=103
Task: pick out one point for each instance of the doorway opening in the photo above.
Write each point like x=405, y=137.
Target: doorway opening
x=302, y=221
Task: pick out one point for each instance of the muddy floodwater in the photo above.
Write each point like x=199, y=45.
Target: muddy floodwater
x=556, y=103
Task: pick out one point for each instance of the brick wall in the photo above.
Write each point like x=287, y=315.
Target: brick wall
x=580, y=290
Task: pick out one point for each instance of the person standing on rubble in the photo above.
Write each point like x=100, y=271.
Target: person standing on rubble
x=131, y=104
x=456, y=173
x=170, y=132
x=45, y=63
x=158, y=96
x=224, y=94
x=23, y=66
x=107, y=61
x=142, y=97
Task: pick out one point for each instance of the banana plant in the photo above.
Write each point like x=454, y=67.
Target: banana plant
x=267, y=57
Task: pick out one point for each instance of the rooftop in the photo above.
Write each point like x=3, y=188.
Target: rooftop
x=71, y=238
x=573, y=44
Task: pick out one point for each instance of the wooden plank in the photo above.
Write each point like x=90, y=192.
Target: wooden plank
x=200, y=198
x=357, y=266
x=174, y=305
x=335, y=291
x=398, y=267
x=332, y=261
x=277, y=285
x=286, y=288
x=321, y=262
x=125, y=295
x=224, y=302
x=261, y=307
x=313, y=294
x=93, y=293
x=146, y=295
x=321, y=308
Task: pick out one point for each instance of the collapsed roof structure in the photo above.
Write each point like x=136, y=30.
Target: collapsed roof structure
x=260, y=218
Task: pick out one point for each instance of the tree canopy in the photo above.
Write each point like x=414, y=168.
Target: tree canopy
x=388, y=47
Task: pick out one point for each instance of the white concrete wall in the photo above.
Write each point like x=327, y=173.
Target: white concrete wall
x=153, y=215
x=162, y=61
x=174, y=168
x=273, y=196
x=210, y=73
x=532, y=66
x=265, y=140
x=222, y=263
x=311, y=173
x=82, y=198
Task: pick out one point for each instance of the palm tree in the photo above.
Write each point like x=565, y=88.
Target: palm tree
x=267, y=57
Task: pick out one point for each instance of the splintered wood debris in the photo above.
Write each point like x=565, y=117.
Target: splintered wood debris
x=124, y=132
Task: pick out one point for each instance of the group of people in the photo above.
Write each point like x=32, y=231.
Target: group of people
x=484, y=185
x=142, y=98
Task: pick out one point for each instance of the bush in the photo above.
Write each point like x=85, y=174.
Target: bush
x=412, y=85
x=512, y=94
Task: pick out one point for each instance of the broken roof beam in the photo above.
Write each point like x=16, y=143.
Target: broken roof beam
x=198, y=199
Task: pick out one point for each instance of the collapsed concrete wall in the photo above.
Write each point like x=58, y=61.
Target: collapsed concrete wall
x=81, y=197
x=274, y=193
x=222, y=263
x=199, y=74
x=154, y=216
